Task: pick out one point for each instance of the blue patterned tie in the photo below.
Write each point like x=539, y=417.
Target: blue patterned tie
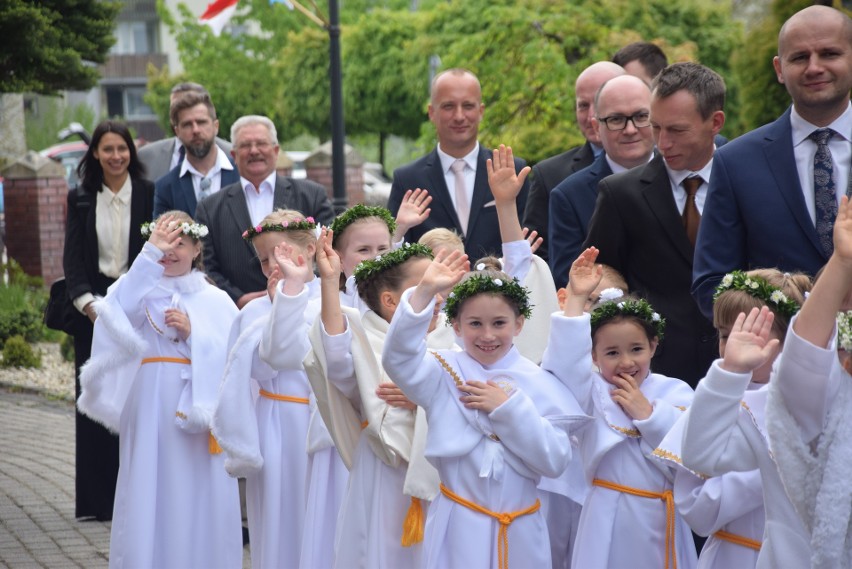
x=825, y=196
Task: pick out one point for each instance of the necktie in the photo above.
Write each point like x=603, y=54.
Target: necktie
x=825, y=196
x=204, y=185
x=691, y=217
x=462, y=204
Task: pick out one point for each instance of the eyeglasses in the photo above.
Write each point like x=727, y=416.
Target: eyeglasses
x=262, y=145
x=619, y=122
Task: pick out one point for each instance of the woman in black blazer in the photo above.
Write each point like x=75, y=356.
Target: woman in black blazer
x=102, y=238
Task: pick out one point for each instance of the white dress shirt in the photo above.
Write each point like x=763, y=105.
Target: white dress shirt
x=214, y=174
x=469, y=173
x=259, y=200
x=804, y=150
x=676, y=178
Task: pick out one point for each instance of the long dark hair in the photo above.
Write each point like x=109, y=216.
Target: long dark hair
x=89, y=170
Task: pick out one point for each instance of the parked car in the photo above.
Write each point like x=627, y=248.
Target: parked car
x=68, y=154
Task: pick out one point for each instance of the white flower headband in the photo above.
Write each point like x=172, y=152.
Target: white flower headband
x=194, y=230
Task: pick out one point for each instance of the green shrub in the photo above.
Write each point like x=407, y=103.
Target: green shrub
x=18, y=353
x=66, y=348
x=22, y=303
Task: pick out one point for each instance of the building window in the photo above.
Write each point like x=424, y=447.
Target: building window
x=127, y=101
x=135, y=38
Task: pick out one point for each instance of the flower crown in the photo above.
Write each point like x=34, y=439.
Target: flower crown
x=483, y=283
x=372, y=267
x=760, y=289
x=296, y=225
x=360, y=211
x=611, y=308
x=194, y=230
x=844, y=330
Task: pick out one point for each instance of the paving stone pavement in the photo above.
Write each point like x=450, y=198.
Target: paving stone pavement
x=37, y=524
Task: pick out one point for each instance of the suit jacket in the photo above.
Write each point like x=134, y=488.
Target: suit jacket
x=483, y=231
x=546, y=175
x=572, y=203
x=230, y=260
x=80, y=256
x=157, y=156
x=175, y=192
x=755, y=214
x=639, y=231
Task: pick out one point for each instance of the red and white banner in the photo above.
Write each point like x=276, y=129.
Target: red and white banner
x=218, y=14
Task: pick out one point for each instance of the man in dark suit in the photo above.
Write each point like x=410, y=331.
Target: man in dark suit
x=229, y=260
x=641, y=59
x=762, y=209
x=644, y=216
x=550, y=171
x=205, y=169
x=454, y=172
x=161, y=156
x=622, y=122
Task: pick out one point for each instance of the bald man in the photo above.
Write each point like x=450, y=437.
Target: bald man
x=550, y=171
x=762, y=207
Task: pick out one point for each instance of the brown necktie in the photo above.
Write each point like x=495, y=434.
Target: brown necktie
x=691, y=217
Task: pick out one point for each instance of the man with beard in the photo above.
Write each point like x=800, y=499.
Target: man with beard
x=161, y=156
x=206, y=167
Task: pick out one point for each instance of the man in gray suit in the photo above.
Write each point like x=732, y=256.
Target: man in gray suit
x=229, y=260
x=206, y=168
x=161, y=156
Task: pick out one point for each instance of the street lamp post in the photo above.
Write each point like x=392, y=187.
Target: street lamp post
x=338, y=134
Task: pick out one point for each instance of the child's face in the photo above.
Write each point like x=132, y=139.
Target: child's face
x=487, y=326
x=622, y=347
x=265, y=244
x=362, y=241
x=178, y=261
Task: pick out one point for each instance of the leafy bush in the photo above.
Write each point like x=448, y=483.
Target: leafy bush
x=22, y=303
x=18, y=353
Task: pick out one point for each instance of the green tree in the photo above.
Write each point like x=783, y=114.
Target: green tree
x=50, y=45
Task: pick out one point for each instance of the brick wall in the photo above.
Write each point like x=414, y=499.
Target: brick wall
x=354, y=182
x=35, y=204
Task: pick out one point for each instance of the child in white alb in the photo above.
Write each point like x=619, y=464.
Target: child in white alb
x=628, y=519
x=729, y=507
x=263, y=417
x=157, y=356
x=489, y=467
x=807, y=415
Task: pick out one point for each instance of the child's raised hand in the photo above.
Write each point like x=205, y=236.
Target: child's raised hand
x=393, y=396
x=179, y=321
x=483, y=396
x=295, y=271
x=504, y=182
x=445, y=271
x=442, y=274
x=584, y=275
x=166, y=234
x=630, y=398
x=533, y=239
x=748, y=346
x=843, y=230
x=328, y=261
x=413, y=211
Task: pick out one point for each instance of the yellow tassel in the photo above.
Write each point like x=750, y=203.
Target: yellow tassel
x=213, y=445
x=412, y=527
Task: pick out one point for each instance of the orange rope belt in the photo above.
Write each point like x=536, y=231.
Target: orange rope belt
x=667, y=497
x=738, y=540
x=165, y=360
x=364, y=425
x=504, y=518
x=285, y=398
